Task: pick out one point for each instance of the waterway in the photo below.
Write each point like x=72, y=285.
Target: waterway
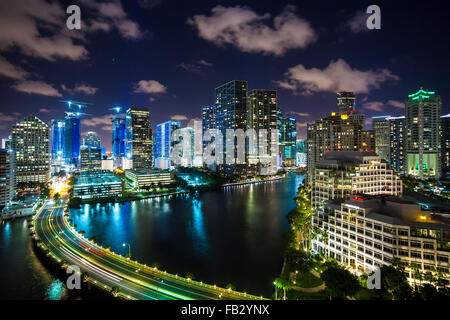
x=229, y=236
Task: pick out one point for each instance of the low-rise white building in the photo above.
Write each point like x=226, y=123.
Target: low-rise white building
x=366, y=231
x=341, y=174
x=146, y=179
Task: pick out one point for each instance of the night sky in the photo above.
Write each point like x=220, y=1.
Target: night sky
x=169, y=55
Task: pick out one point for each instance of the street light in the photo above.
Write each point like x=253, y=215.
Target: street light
x=129, y=249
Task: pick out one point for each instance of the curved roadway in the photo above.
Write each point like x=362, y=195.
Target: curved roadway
x=107, y=269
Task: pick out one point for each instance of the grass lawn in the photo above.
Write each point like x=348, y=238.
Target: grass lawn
x=307, y=280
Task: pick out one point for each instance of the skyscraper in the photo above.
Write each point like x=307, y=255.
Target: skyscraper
x=72, y=138
x=382, y=130
x=119, y=134
x=338, y=132
x=91, y=158
x=231, y=113
x=5, y=177
x=139, y=137
x=30, y=147
x=346, y=102
x=91, y=139
x=262, y=115
x=301, y=160
x=397, y=145
x=57, y=140
x=287, y=133
x=445, y=129
x=423, y=127
x=164, y=143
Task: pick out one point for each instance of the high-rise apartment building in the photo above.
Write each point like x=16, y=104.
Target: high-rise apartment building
x=445, y=143
x=397, y=147
x=139, y=137
x=164, y=143
x=423, y=126
x=338, y=132
x=231, y=113
x=30, y=150
x=57, y=140
x=91, y=158
x=341, y=174
x=262, y=115
x=72, y=139
x=287, y=139
x=301, y=161
x=382, y=131
x=346, y=102
x=5, y=177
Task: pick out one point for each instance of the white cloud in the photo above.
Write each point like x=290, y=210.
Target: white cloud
x=195, y=67
x=337, y=76
x=150, y=87
x=37, y=87
x=178, y=117
x=102, y=122
x=22, y=23
x=46, y=110
x=81, y=87
x=301, y=114
x=396, y=104
x=249, y=32
x=358, y=23
x=374, y=105
x=10, y=71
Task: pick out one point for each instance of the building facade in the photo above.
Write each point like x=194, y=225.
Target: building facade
x=5, y=177
x=91, y=139
x=382, y=131
x=150, y=179
x=341, y=174
x=445, y=144
x=423, y=126
x=119, y=136
x=96, y=184
x=91, y=158
x=164, y=144
x=139, y=137
x=30, y=150
x=397, y=144
x=366, y=232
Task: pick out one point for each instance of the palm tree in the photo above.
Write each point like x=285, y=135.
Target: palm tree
x=284, y=284
x=190, y=276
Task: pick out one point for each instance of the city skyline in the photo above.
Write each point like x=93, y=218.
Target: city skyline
x=175, y=86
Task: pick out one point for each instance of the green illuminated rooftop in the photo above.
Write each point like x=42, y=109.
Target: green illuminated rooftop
x=421, y=94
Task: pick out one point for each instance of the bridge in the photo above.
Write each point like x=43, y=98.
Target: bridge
x=107, y=270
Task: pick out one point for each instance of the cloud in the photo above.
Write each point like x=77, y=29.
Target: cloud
x=396, y=104
x=45, y=110
x=178, y=117
x=149, y=4
x=81, y=87
x=301, y=114
x=374, y=105
x=301, y=125
x=195, y=67
x=337, y=76
x=102, y=122
x=111, y=15
x=150, y=87
x=7, y=119
x=358, y=23
x=37, y=28
x=246, y=30
x=37, y=87
x=10, y=71
x=205, y=63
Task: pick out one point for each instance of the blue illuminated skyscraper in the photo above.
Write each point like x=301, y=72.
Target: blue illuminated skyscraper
x=57, y=139
x=164, y=143
x=119, y=134
x=72, y=134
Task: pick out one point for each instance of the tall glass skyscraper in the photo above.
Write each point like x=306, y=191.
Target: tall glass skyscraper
x=231, y=110
x=72, y=140
x=57, y=140
x=119, y=135
x=91, y=139
x=164, y=143
x=139, y=137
